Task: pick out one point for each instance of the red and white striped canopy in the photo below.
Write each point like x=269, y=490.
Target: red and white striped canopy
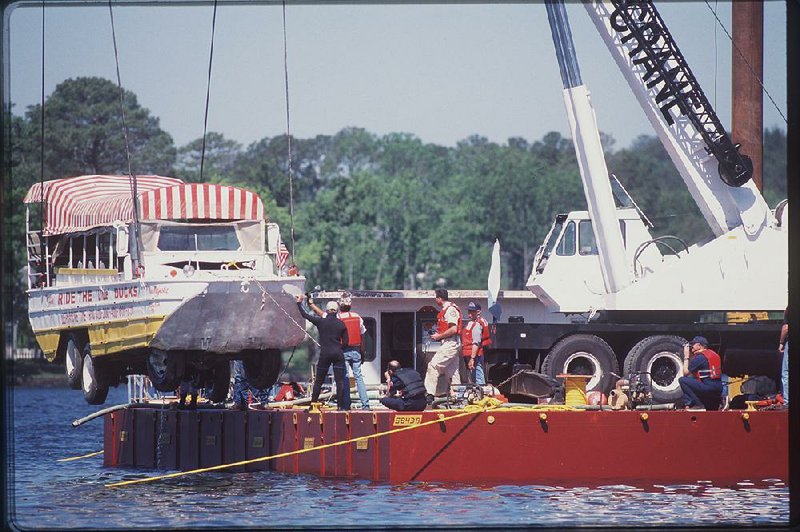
x=81, y=203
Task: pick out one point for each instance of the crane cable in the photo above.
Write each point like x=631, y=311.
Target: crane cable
x=290, y=167
x=208, y=90
x=43, y=208
x=131, y=176
x=752, y=71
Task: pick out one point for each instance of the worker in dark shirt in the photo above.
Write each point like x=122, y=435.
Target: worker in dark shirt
x=332, y=336
x=702, y=381
x=406, y=389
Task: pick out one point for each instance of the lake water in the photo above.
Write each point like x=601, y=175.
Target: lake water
x=47, y=494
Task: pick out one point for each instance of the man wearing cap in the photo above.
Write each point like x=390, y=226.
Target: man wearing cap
x=332, y=336
x=352, y=351
x=702, y=380
x=474, y=337
x=448, y=332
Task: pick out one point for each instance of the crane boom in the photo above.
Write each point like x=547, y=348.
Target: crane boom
x=589, y=152
x=681, y=115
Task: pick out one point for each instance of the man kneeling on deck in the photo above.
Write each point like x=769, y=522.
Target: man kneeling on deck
x=702, y=380
x=406, y=389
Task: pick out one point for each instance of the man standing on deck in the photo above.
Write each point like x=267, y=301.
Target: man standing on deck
x=406, y=391
x=332, y=336
x=783, y=347
x=352, y=352
x=702, y=380
x=448, y=332
x=474, y=337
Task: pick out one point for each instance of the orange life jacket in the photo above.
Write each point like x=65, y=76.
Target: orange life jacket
x=441, y=323
x=466, y=337
x=714, y=365
x=353, y=323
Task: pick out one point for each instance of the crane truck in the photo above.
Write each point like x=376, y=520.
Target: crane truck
x=604, y=299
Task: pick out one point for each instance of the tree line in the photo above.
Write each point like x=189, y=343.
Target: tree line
x=368, y=211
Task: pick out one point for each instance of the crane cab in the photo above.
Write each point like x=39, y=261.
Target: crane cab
x=566, y=274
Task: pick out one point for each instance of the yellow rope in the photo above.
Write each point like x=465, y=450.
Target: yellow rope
x=440, y=419
x=79, y=457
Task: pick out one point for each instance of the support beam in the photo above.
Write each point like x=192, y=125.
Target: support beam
x=747, y=73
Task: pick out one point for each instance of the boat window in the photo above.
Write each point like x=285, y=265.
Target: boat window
x=197, y=238
x=369, y=339
x=566, y=246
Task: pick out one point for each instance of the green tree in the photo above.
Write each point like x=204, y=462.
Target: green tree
x=83, y=132
x=219, y=159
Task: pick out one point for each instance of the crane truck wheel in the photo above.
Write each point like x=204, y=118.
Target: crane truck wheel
x=661, y=358
x=95, y=387
x=583, y=354
x=262, y=367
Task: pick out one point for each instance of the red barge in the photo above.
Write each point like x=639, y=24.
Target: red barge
x=525, y=445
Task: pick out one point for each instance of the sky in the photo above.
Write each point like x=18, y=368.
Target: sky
x=441, y=72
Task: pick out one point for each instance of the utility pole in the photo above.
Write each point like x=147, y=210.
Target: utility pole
x=747, y=67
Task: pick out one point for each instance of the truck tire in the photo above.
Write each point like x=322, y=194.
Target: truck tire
x=220, y=382
x=583, y=354
x=661, y=357
x=73, y=361
x=95, y=387
x=163, y=370
x=262, y=367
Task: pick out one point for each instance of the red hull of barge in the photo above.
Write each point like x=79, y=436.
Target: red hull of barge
x=513, y=446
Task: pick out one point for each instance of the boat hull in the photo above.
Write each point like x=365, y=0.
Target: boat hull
x=497, y=447
x=215, y=316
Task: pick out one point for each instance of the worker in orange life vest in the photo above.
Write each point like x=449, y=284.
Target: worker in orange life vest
x=702, y=380
x=448, y=332
x=474, y=338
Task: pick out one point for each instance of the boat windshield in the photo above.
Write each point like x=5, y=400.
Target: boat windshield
x=197, y=238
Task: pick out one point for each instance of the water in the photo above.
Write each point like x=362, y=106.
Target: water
x=48, y=494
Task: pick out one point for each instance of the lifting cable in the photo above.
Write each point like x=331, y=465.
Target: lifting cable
x=290, y=167
x=760, y=82
x=131, y=176
x=43, y=206
x=208, y=89
x=484, y=406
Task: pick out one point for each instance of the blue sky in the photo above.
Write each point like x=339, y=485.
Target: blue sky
x=440, y=72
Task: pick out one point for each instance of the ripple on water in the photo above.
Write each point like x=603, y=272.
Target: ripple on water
x=76, y=496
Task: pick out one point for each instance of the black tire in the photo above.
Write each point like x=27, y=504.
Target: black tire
x=73, y=360
x=262, y=367
x=583, y=354
x=163, y=370
x=662, y=358
x=217, y=390
x=94, y=384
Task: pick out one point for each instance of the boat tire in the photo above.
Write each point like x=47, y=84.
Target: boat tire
x=73, y=361
x=95, y=389
x=661, y=357
x=583, y=354
x=220, y=384
x=163, y=370
x=262, y=368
